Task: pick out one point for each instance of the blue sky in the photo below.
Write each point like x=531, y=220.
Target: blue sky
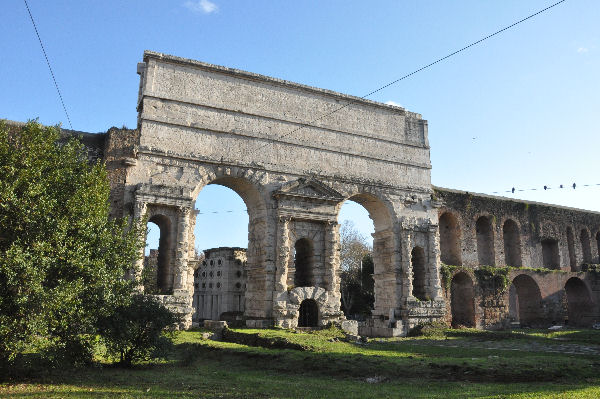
x=519, y=110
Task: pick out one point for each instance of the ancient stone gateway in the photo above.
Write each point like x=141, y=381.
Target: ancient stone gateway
x=202, y=124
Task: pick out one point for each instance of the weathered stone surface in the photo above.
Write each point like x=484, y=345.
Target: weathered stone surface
x=203, y=124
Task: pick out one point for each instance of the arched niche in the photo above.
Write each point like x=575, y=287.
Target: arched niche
x=485, y=241
x=303, y=263
x=160, y=280
x=450, y=239
x=417, y=258
x=525, y=301
x=586, y=249
x=512, y=243
x=579, y=303
x=550, y=253
x=308, y=313
x=571, y=249
x=462, y=300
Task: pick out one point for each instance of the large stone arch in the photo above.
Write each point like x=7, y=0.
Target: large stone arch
x=381, y=212
x=250, y=185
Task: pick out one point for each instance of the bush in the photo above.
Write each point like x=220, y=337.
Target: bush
x=62, y=260
x=137, y=331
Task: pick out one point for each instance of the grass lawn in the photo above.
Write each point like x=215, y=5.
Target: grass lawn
x=452, y=364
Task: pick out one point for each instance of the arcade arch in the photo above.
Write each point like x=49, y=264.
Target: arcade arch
x=525, y=301
x=157, y=276
x=571, y=248
x=450, y=239
x=579, y=303
x=512, y=243
x=462, y=300
x=383, y=250
x=586, y=248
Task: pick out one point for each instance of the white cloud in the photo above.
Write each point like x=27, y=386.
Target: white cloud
x=582, y=50
x=201, y=6
x=395, y=104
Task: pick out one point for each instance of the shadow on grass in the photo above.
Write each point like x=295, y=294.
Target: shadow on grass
x=214, y=369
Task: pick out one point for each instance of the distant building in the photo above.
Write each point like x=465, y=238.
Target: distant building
x=219, y=284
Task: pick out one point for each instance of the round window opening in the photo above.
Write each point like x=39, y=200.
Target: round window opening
x=238, y=285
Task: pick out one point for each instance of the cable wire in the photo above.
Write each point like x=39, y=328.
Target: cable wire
x=48, y=62
x=310, y=124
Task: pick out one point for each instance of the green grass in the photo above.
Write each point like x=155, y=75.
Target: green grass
x=330, y=368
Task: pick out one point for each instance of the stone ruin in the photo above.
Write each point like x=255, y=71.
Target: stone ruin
x=438, y=254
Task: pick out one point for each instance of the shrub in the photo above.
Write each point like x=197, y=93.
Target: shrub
x=62, y=260
x=138, y=330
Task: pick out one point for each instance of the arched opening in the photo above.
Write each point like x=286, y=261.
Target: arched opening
x=579, y=303
x=374, y=260
x=462, y=300
x=598, y=245
x=571, y=248
x=308, y=314
x=512, y=243
x=525, y=301
x=485, y=241
x=586, y=248
x=450, y=239
x=417, y=260
x=230, y=224
x=303, y=263
x=550, y=253
x=157, y=276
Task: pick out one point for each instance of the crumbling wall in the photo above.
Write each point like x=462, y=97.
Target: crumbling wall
x=537, y=248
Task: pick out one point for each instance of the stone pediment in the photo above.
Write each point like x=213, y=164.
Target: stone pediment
x=308, y=189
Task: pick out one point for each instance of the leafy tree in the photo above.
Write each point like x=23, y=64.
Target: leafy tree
x=62, y=260
x=135, y=330
x=354, y=252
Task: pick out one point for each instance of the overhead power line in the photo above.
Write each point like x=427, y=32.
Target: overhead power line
x=310, y=124
x=546, y=187
x=48, y=63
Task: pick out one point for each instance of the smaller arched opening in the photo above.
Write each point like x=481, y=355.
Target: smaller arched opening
x=525, y=301
x=417, y=258
x=485, y=241
x=303, y=263
x=450, y=239
x=308, y=313
x=550, y=253
x=462, y=300
x=571, y=248
x=512, y=243
x=579, y=303
x=598, y=245
x=586, y=248
x=157, y=273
